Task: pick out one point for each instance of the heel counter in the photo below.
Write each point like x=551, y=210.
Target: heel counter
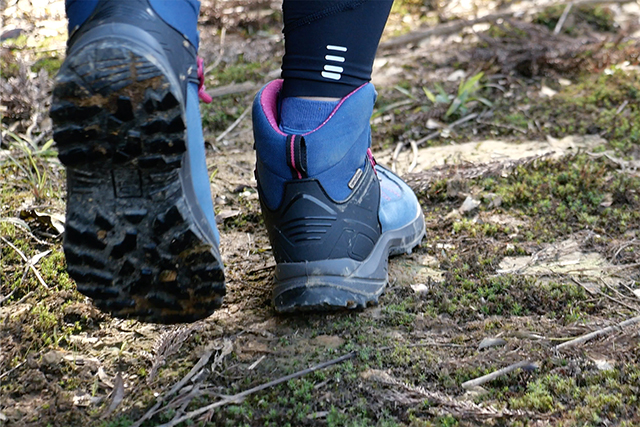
x=309, y=225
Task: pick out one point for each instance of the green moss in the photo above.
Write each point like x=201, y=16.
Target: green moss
x=51, y=64
x=537, y=398
x=600, y=18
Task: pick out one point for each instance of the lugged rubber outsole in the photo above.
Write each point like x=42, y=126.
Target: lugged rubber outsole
x=341, y=284
x=131, y=241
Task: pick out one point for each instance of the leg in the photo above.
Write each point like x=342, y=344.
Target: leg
x=332, y=214
x=140, y=234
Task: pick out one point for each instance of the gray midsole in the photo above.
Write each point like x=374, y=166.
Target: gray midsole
x=349, y=274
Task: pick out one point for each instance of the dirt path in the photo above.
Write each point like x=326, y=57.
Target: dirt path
x=532, y=241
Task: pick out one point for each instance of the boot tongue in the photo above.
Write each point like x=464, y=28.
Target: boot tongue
x=298, y=115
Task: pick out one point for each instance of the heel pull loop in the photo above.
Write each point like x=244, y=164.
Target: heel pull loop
x=202, y=94
x=297, y=156
x=372, y=160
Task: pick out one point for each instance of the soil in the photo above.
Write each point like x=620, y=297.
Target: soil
x=533, y=217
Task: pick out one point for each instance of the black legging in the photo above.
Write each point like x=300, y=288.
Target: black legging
x=330, y=45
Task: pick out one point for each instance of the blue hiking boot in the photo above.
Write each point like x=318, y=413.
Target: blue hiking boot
x=333, y=215
x=140, y=238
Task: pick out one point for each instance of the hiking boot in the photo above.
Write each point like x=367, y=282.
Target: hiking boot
x=333, y=215
x=140, y=237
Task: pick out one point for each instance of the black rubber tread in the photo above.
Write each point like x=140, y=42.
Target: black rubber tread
x=130, y=243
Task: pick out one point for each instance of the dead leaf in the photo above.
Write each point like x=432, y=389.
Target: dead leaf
x=227, y=214
x=608, y=200
x=102, y=376
x=51, y=220
x=116, y=396
x=469, y=204
x=456, y=75
x=34, y=259
x=83, y=399
x=434, y=124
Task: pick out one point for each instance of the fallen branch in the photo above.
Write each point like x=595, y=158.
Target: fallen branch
x=239, y=396
x=456, y=26
x=598, y=333
x=525, y=364
x=234, y=88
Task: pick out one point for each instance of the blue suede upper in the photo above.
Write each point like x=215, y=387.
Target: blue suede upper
x=334, y=152
x=78, y=11
x=398, y=203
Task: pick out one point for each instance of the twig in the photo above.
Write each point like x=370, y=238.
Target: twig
x=233, y=125
x=394, y=157
x=414, y=161
x=492, y=376
x=201, y=363
x=631, y=242
x=215, y=64
x=614, y=290
x=563, y=18
x=450, y=127
x=24, y=298
x=11, y=370
x=256, y=363
x=619, y=302
x=239, y=396
x=621, y=107
x=6, y=297
x=598, y=333
x=29, y=263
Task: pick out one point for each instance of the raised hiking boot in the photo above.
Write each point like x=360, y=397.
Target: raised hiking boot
x=333, y=215
x=140, y=238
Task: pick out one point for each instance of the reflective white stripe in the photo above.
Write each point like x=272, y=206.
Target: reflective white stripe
x=333, y=68
x=332, y=76
x=338, y=48
x=334, y=58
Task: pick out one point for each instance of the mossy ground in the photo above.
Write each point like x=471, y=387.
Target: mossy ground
x=59, y=357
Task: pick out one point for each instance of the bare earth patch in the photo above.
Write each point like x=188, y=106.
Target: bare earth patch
x=530, y=263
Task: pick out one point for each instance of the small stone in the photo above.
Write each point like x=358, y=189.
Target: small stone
x=469, y=204
x=547, y=91
x=52, y=357
x=420, y=288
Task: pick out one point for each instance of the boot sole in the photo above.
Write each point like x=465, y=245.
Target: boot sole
x=132, y=242
x=340, y=284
